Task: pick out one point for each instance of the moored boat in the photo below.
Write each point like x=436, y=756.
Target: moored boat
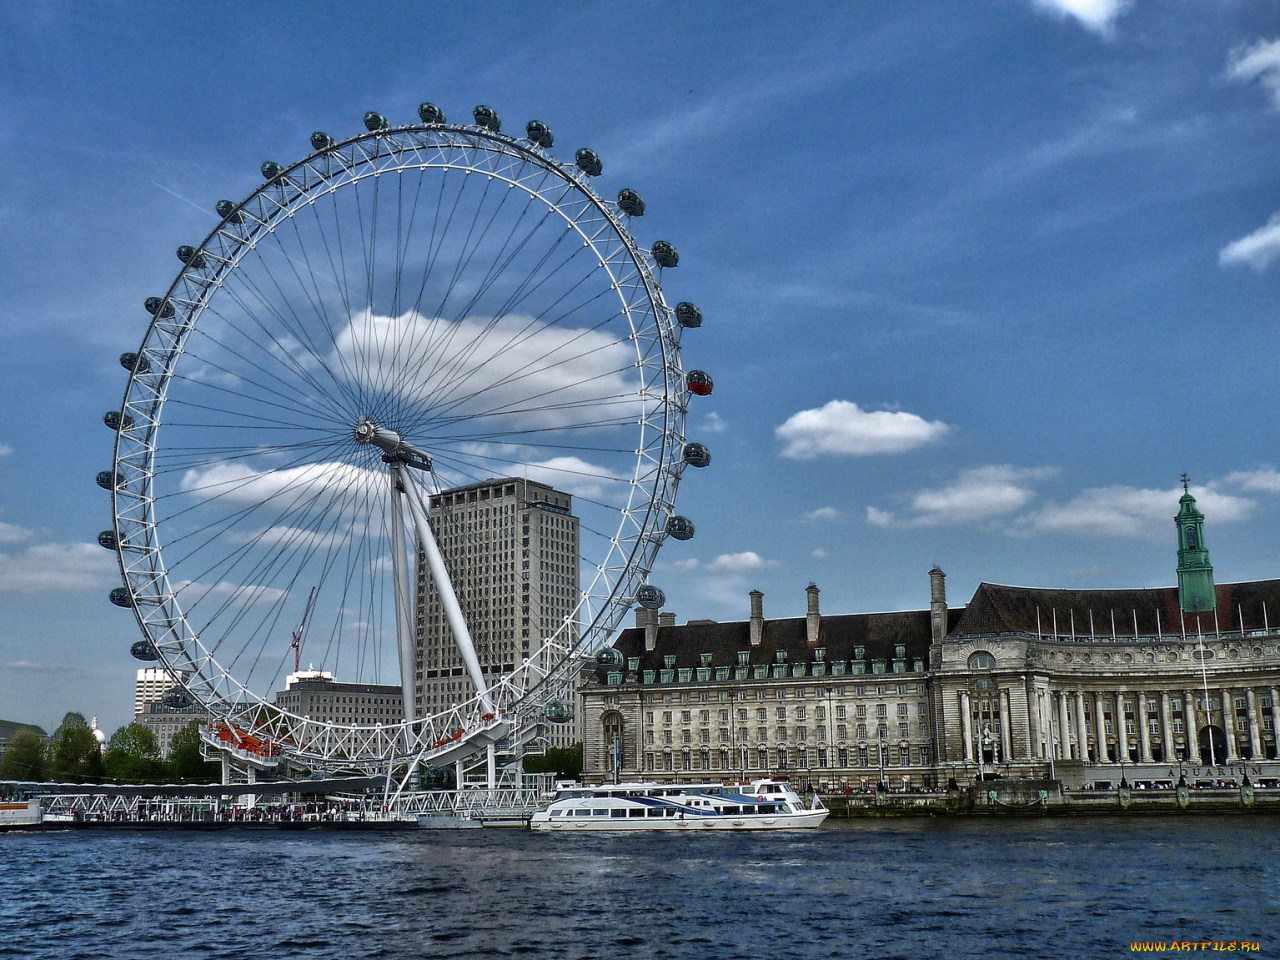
x=20, y=815
x=768, y=804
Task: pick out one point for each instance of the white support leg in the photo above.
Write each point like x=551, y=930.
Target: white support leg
x=448, y=599
x=404, y=594
x=491, y=770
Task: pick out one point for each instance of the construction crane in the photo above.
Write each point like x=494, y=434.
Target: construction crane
x=296, y=643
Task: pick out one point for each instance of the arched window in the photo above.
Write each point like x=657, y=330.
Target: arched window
x=982, y=661
x=614, y=744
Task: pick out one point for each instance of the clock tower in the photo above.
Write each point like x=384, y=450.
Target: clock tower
x=1196, y=593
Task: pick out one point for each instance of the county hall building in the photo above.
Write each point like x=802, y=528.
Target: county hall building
x=1094, y=685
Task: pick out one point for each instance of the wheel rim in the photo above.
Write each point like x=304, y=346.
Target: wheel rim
x=521, y=332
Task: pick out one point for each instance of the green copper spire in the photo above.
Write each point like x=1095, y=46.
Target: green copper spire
x=1196, y=593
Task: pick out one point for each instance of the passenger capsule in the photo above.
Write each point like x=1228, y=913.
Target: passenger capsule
x=539, y=133
x=558, y=711
x=176, y=700
x=650, y=597
x=117, y=421
x=429, y=113
x=158, y=308
x=696, y=455
x=487, y=117
x=192, y=257
x=631, y=203
x=699, y=383
x=143, y=650
x=271, y=170
x=374, y=122
x=107, y=539
x=227, y=211
x=106, y=479
x=665, y=254
x=688, y=315
x=610, y=657
x=321, y=141
x=680, y=527
x=135, y=363
x=121, y=597
x=588, y=162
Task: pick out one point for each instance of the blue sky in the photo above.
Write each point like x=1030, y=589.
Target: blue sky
x=980, y=280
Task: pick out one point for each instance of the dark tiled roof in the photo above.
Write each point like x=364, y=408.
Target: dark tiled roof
x=1000, y=609
x=879, y=633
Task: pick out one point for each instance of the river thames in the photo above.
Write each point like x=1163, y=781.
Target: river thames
x=1084, y=887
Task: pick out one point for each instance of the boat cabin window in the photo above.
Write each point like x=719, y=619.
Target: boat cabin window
x=655, y=811
x=601, y=812
x=617, y=812
x=639, y=812
x=582, y=813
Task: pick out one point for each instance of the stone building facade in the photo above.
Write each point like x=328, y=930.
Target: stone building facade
x=1095, y=685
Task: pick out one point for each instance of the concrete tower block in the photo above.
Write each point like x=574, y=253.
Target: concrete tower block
x=813, y=619
x=937, y=604
x=757, y=617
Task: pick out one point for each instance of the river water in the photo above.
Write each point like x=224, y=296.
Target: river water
x=1061, y=888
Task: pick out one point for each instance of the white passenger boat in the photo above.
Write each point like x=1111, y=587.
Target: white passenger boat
x=770, y=804
x=21, y=815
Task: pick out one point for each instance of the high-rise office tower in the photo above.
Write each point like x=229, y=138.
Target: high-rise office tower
x=511, y=548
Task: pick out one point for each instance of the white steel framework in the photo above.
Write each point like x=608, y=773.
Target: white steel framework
x=421, y=305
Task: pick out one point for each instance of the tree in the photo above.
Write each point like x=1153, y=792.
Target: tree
x=25, y=757
x=185, y=760
x=75, y=754
x=564, y=762
x=134, y=756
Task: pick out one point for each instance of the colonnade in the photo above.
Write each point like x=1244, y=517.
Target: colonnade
x=1058, y=723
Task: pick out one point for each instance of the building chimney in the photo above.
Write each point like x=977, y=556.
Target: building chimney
x=757, y=617
x=648, y=621
x=937, y=604
x=666, y=619
x=812, y=618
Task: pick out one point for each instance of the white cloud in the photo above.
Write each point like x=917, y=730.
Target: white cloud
x=738, y=562
x=1131, y=512
x=1097, y=15
x=50, y=567
x=240, y=484
x=11, y=534
x=715, y=424
x=1256, y=249
x=236, y=595
x=512, y=373
x=1264, y=480
x=819, y=554
x=821, y=515
x=1259, y=61
x=686, y=565
x=981, y=493
x=842, y=428
x=574, y=475
x=295, y=538
x=5, y=449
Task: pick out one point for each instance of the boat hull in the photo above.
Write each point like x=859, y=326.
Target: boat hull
x=21, y=816
x=701, y=824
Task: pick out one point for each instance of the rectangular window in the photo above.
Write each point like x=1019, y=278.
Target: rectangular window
x=922, y=709
x=903, y=733
x=744, y=657
x=904, y=709
x=842, y=732
x=685, y=716
x=782, y=733
x=801, y=713
x=782, y=713
x=882, y=710
x=666, y=716
x=724, y=734
x=722, y=674
x=686, y=674
x=762, y=734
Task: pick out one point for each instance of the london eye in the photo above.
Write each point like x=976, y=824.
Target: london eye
x=407, y=311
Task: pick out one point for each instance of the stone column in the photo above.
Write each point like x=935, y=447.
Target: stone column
x=1006, y=735
x=1082, y=728
x=1275, y=718
x=1229, y=724
x=1099, y=727
x=1064, y=725
x=966, y=726
x=1166, y=723
x=1255, y=725
x=1122, y=734
x=1144, y=735
x=1033, y=721
x=1193, y=728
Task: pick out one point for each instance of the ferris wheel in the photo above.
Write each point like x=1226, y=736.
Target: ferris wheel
x=411, y=311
